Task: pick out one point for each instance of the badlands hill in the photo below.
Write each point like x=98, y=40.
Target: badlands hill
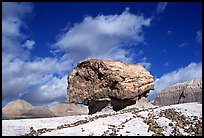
x=189, y=91
x=21, y=109
x=39, y=112
x=67, y=109
x=16, y=108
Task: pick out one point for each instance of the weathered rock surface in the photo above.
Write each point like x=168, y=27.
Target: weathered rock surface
x=97, y=83
x=67, y=109
x=39, y=112
x=16, y=108
x=189, y=91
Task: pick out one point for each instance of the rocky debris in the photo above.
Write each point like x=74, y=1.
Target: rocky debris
x=33, y=132
x=190, y=124
x=80, y=122
x=67, y=109
x=113, y=130
x=16, y=109
x=97, y=83
x=39, y=112
x=153, y=126
x=189, y=91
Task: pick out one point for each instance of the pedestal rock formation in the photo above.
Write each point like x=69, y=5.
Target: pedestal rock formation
x=189, y=91
x=97, y=83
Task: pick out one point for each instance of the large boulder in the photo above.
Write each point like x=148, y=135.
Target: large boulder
x=67, y=109
x=189, y=91
x=16, y=108
x=97, y=83
x=39, y=112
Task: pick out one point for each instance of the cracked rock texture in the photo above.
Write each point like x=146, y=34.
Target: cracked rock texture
x=97, y=83
x=189, y=91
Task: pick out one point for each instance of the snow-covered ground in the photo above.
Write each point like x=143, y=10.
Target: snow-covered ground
x=180, y=119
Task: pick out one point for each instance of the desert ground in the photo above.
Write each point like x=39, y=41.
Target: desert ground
x=141, y=119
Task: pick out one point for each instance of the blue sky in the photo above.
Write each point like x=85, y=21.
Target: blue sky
x=42, y=42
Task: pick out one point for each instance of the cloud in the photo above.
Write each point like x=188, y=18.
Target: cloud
x=163, y=51
x=20, y=74
x=51, y=92
x=16, y=9
x=103, y=34
x=12, y=14
x=29, y=44
x=191, y=71
x=12, y=24
x=169, y=32
x=43, y=80
x=183, y=44
x=166, y=64
x=143, y=62
x=161, y=7
x=199, y=36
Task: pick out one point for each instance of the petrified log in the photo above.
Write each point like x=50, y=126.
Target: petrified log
x=98, y=82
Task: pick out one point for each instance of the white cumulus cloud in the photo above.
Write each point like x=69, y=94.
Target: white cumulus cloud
x=143, y=62
x=29, y=44
x=43, y=80
x=20, y=74
x=12, y=22
x=103, y=36
x=52, y=91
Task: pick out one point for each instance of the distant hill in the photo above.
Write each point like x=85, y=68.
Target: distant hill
x=189, y=91
x=66, y=109
x=16, y=108
x=39, y=112
x=21, y=109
